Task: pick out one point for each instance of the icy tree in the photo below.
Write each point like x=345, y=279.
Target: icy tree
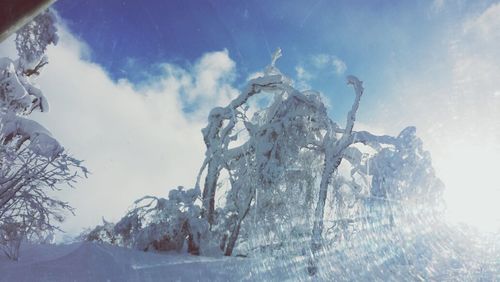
x=279, y=172
x=163, y=224
x=403, y=181
x=259, y=153
x=32, y=162
x=103, y=233
x=263, y=157
x=295, y=123
x=156, y=224
x=389, y=178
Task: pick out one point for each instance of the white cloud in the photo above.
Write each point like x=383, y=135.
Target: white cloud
x=303, y=77
x=324, y=61
x=136, y=140
x=302, y=73
x=486, y=25
x=213, y=75
x=315, y=65
x=320, y=60
x=340, y=66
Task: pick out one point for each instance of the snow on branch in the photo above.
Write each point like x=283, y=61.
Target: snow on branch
x=19, y=130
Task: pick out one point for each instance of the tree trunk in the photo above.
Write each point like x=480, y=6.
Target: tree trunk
x=232, y=239
x=331, y=165
x=236, y=231
x=209, y=191
x=193, y=239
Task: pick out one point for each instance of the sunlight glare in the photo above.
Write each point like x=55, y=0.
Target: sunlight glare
x=472, y=192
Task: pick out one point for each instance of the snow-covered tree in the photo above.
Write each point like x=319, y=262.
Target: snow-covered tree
x=103, y=233
x=404, y=184
x=261, y=166
x=163, y=224
x=261, y=153
x=32, y=161
x=156, y=224
x=279, y=172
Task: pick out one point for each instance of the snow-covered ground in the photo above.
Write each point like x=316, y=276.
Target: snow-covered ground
x=99, y=262
x=440, y=253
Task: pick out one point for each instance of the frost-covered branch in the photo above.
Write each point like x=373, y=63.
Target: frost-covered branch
x=372, y=140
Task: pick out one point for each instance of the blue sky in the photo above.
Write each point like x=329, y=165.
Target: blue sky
x=380, y=41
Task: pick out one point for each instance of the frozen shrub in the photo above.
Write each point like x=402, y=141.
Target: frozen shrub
x=163, y=224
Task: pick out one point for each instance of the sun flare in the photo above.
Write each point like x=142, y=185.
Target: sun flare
x=469, y=171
